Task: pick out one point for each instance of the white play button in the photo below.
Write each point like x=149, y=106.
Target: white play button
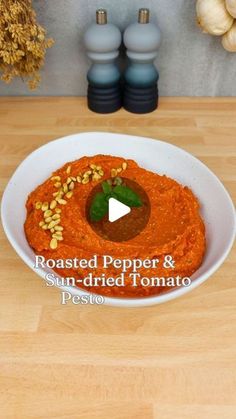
x=117, y=210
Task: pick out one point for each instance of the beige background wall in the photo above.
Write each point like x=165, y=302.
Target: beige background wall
x=190, y=63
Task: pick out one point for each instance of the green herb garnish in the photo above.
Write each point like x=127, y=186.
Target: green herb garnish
x=107, y=188
x=124, y=194
x=99, y=207
x=127, y=196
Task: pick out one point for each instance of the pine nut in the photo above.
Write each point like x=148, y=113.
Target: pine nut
x=69, y=194
x=124, y=165
x=119, y=169
x=45, y=206
x=68, y=180
x=61, y=201
x=56, y=178
x=59, y=233
x=71, y=186
x=60, y=194
x=56, y=217
x=96, y=176
x=48, y=220
x=59, y=228
x=52, y=230
x=68, y=170
x=53, y=243
x=38, y=205
x=53, y=204
x=58, y=210
x=65, y=188
x=113, y=172
x=79, y=180
x=57, y=184
x=45, y=227
x=41, y=224
x=47, y=213
x=85, y=181
x=55, y=236
x=53, y=223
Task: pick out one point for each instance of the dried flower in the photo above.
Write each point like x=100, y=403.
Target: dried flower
x=23, y=42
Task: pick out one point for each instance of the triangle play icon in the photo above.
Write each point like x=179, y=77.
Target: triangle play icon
x=117, y=210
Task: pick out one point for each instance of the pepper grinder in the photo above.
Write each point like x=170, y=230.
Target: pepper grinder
x=102, y=41
x=142, y=40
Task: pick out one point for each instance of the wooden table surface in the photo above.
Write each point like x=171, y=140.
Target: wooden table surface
x=176, y=360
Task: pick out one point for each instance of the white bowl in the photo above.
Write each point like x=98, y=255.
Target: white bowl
x=217, y=208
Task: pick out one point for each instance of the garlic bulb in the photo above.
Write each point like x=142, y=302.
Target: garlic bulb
x=231, y=7
x=213, y=16
x=229, y=39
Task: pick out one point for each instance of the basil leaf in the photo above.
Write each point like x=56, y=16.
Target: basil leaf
x=127, y=196
x=106, y=187
x=99, y=207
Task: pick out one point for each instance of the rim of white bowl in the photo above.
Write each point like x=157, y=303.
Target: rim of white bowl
x=118, y=301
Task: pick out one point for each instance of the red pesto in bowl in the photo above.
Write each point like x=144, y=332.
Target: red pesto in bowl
x=56, y=226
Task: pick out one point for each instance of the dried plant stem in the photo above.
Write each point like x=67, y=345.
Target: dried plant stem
x=23, y=42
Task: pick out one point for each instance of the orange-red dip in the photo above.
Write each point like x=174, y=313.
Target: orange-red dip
x=175, y=226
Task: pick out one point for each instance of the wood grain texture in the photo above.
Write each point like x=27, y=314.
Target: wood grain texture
x=176, y=360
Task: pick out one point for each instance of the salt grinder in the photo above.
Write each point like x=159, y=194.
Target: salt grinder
x=142, y=40
x=102, y=41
